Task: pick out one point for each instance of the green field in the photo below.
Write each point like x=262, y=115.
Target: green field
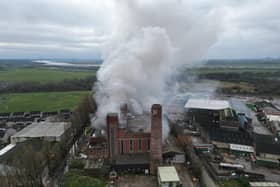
x=47, y=101
x=42, y=75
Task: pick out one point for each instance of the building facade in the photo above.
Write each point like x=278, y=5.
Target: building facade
x=131, y=135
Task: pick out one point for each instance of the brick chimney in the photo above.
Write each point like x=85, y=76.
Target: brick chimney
x=112, y=135
x=156, y=138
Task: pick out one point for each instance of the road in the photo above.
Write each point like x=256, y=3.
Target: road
x=184, y=176
x=207, y=179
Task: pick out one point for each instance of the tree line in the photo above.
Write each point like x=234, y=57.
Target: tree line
x=263, y=83
x=65, y=85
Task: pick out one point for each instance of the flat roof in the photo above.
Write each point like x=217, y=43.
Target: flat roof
x=168, y=174
x=208, y=104
x=43, y=129
x=273, y=117
x=264, y=184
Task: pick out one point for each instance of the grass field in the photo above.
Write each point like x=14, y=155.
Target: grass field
x=41, y=75
x=47, y=101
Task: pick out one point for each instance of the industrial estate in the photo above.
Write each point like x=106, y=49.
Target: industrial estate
x=140, y=93
x=210, y=140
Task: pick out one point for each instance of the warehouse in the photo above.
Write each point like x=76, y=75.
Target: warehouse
x=49, y=131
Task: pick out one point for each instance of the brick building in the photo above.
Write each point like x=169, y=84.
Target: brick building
x=132, y=137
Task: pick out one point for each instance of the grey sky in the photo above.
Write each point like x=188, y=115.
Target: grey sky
x=79, y=28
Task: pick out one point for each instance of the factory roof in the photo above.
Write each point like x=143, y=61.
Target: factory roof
x=168, y=174
x=240, y=107
x=273, y=117
x=43, y=129
x=208, y=104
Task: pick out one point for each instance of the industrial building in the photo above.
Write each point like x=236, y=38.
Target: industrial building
x=135, y=141
x=267, y=150
x=49, y=131
x=231, y=113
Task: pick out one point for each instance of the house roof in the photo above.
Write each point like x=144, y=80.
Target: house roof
x=267, y=144
x=168, y=174
x=207, y=104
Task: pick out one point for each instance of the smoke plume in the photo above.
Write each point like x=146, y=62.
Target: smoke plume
x=151, y=41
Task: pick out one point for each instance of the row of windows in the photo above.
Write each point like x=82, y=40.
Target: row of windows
x=131, y=145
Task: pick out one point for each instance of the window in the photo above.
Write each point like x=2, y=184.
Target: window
x=139, y=144
x=148, y=144
x=131, y=145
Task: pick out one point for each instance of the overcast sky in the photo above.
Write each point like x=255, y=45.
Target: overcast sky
x=79, y=28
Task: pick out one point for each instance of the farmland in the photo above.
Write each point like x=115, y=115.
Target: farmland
x=45, y=101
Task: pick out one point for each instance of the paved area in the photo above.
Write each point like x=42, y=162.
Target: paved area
x=137, y=181
x=184, y=176
x=207, y=179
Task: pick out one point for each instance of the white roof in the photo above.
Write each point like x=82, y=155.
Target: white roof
x=168, y=174
x=43, y=129
x=264, y=184
x=244, y=148
x=209, y=104
x=6, y=149
x=273, y=117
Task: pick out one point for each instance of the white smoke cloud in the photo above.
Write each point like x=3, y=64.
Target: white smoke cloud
x=151, y=41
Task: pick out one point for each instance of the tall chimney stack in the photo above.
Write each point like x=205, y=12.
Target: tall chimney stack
x=156, y=138
x=112, y=135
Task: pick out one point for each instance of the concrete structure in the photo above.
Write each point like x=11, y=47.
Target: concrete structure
x=49, y=131
x=168, y=177
x=135, y=135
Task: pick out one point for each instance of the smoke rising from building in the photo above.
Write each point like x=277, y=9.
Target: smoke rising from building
x=150, y=42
